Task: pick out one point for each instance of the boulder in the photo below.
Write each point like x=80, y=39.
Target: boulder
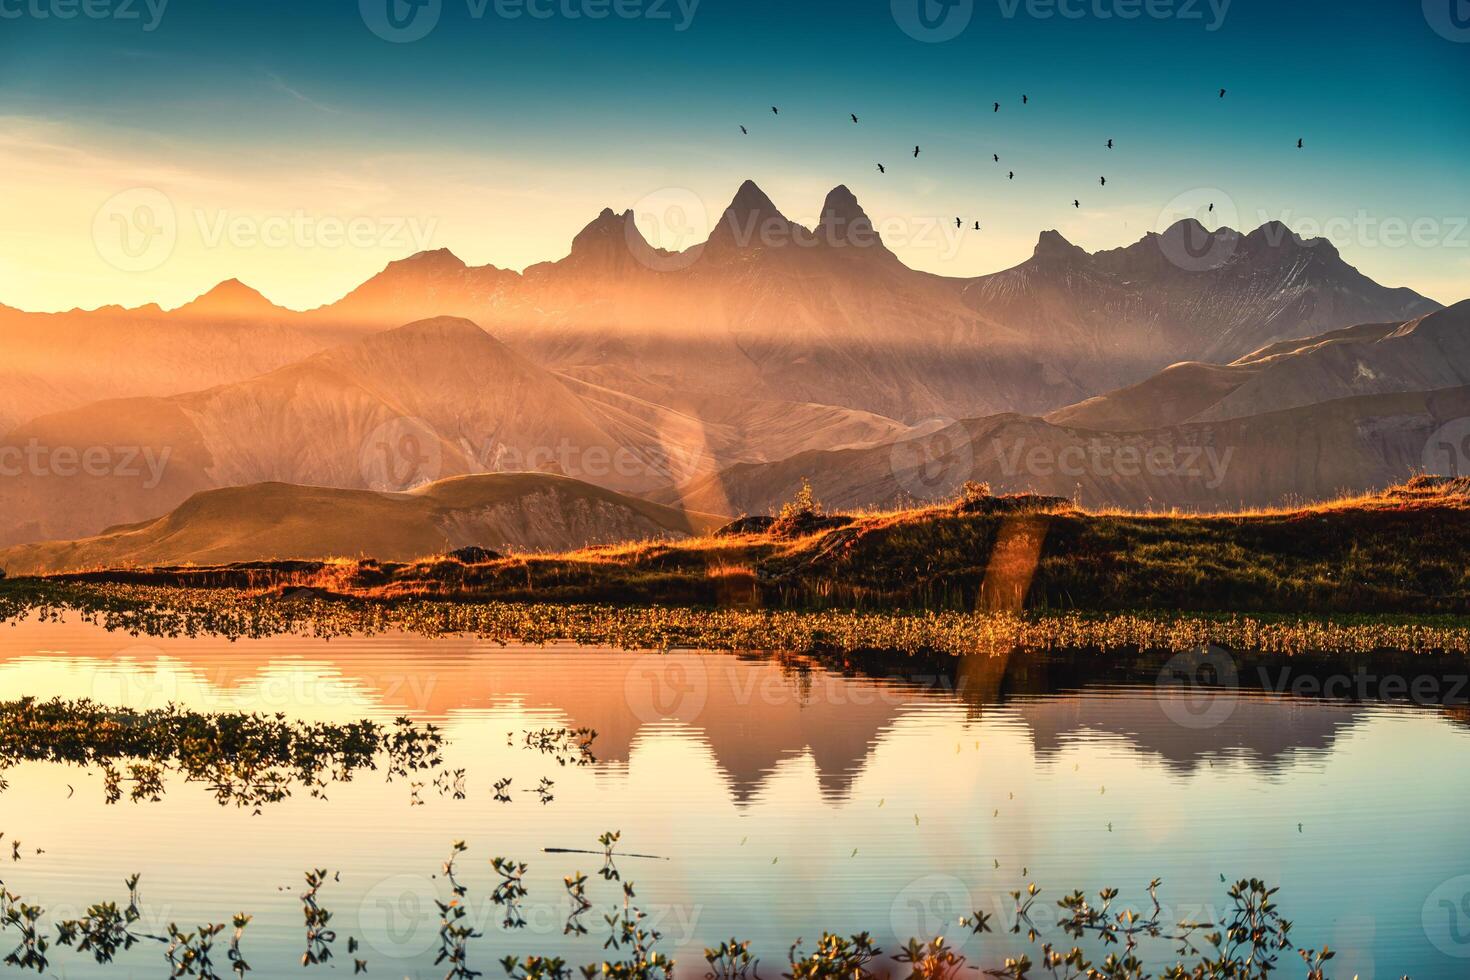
x=745, y=525
x=474, y=555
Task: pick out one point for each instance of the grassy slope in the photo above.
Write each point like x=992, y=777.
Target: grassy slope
x=277, y=520
x=1403, y=552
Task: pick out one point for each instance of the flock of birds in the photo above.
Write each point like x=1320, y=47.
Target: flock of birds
x=1011, y=174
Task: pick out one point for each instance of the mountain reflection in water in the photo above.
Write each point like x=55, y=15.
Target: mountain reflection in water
x=788, y=796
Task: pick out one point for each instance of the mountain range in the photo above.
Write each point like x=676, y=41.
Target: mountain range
x=716, y=377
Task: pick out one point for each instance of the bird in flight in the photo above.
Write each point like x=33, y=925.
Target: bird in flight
x=1011, y=175
x=958, y=223
x=1222, y=93
x=1076, y=204
x=1212, y=207
x=1024, y=100
x=854, y=117
x=997, y=157
x=881, y=170
x=977, y=226
x=1298, y=144
x=1102, y=181
x=1110, y=144
x=916, y=153
x=997, y=107
x=775, y=111
x=744, y=130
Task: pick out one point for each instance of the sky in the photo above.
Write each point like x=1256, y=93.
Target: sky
x=152, y=148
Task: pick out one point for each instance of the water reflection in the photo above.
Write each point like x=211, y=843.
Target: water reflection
x=785, y=796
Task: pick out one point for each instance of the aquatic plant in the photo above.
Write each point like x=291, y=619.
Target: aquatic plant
x=510, y=890
x=834, y=958
x=319, y=934
x=30, y=951
x=247, y=760
x=731, y=960
x=190, y=954
x=567, y=745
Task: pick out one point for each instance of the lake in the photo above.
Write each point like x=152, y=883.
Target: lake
x=778, y=797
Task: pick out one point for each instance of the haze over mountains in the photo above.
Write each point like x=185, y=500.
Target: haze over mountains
x=520, y=511
x=718, y=376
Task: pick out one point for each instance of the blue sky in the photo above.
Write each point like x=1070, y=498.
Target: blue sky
x=501, y=136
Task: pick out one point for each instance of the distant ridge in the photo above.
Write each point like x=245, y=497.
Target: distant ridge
x=522, y=511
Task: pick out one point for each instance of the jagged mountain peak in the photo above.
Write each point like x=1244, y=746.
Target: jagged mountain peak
x=843, y=222
x=1051, y=244
x=752, y=220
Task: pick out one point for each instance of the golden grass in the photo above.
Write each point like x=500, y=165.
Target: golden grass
x=235, y=613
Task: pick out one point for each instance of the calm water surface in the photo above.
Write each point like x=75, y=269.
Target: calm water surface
x=783, y=799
